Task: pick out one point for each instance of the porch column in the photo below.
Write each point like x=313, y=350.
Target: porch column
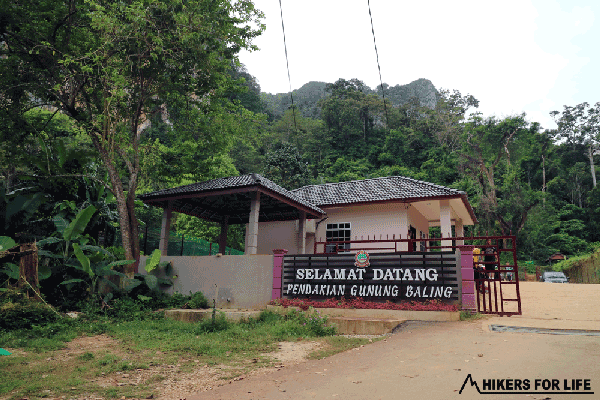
x=302, y=233
x=165, y=228
x=223, y=235
x=445, y=223
x=404, y=226
x=252, y=232
x=459, y=231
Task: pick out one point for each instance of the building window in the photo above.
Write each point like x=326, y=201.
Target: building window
x=338, y=233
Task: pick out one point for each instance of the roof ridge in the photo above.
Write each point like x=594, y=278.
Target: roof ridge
x=376, y=178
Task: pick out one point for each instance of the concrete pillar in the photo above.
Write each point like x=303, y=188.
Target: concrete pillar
x=223, y=235
x=404, y=226
x=302, y=233
x=252, y=231
x=165, y=228
x=277, y=272
x=459, y=231
x=446, y=223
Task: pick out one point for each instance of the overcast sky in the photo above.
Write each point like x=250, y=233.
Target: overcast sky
x=530, y=56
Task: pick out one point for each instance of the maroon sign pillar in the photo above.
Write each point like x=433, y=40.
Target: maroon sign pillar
x=277, y=270
x=469, y=302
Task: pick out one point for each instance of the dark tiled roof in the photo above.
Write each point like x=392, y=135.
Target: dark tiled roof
x=229, y=183
x=377, y=189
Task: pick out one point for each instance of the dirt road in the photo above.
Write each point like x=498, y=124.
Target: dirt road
x=432, y=360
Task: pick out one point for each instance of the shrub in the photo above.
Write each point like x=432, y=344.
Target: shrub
x=198, y=300
x=300, y=323
x=220, y=323
x=19, y=312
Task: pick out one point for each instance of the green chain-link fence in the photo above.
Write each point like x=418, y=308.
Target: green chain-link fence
x=179, y=245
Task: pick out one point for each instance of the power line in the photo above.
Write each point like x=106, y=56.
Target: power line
x=378, y=66
x=288, y=67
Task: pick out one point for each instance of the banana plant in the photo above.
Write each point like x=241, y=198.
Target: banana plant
x=10, y=269
x=98, y=272
x=68, y=233
x=153, y=267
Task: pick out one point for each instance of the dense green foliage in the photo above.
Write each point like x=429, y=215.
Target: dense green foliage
x=103, y=101
x=521, y=179
x=113, y=68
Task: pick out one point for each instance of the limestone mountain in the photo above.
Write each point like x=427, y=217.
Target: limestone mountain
x=306, y=98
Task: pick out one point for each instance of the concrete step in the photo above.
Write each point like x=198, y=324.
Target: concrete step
x=347, y=321
x=363, y=326
x=196, y=315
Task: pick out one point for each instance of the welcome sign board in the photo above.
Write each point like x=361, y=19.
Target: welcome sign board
x=377, y=276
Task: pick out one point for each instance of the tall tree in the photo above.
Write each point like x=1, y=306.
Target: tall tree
x=284, y=166
x=491, y=159
x=110, y=66
x=350, y=116
x=446, y=119
x=580, y=125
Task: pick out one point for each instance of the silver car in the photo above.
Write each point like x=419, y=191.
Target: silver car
x=554, y=277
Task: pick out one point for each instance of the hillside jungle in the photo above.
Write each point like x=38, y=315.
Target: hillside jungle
x=520, y=178
x=98, y=129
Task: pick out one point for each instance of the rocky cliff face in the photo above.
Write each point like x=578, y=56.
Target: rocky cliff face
x=422, y=89
x=307, y=97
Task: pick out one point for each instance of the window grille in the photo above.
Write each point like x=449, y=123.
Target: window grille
x=337, y=233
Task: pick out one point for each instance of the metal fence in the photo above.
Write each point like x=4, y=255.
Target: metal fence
x=179, y=245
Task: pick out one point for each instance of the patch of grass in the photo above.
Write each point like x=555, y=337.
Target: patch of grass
x=147, y=342
x=338, y=344
x=87, y=356
x=127, y=365
x=108, y=359
x=469, y=316
x=155, y=379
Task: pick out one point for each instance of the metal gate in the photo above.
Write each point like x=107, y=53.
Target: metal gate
x=497, y=282
x=497, y=286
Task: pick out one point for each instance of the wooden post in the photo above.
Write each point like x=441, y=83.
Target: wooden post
x=28, y=269
x=223, y=235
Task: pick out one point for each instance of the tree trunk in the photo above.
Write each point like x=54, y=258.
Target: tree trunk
x=544, y=179
x=132, y=269
x=592, y=169
x=128, y=235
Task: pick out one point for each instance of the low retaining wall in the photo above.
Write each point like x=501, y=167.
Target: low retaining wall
x=403, y=315
x=199, y=315
x=233, y=281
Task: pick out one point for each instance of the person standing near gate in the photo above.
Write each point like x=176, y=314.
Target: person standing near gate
x=490, y=260
x=478, y=268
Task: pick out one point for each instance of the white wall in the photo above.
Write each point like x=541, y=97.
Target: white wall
x=377, y=220
x=278, y=235
x=236, y=281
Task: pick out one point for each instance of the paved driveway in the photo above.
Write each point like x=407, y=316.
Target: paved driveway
x=432, y=360
x=556, y=306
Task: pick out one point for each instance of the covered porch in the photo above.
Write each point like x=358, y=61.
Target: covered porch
x=247, y=199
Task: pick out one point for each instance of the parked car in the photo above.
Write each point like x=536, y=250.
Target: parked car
x=554, y=277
